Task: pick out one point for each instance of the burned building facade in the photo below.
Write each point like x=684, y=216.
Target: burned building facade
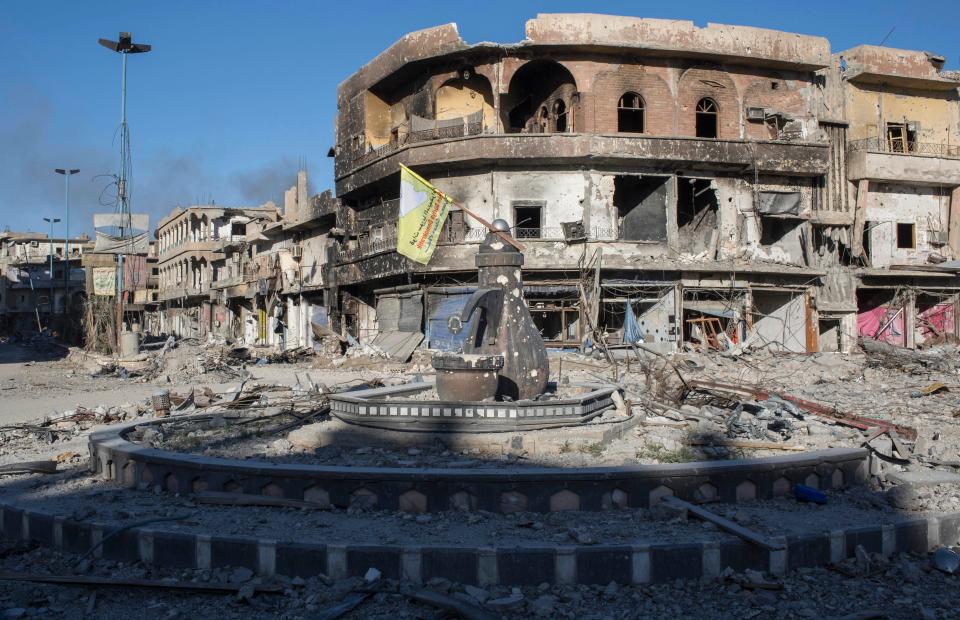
x=189, y=241
x=678, y=186
x=903, y=166
x=681, y=179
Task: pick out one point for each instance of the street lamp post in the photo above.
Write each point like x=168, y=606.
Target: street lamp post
x=123, y=46
x=52, y=221
x=67, y=173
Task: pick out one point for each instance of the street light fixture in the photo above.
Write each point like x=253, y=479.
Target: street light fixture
x=67, y=173
x=124, y=46
x=52, y=222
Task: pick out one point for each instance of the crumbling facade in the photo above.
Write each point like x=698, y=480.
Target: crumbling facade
x=651, y=169
x=188, y=243
x=903, y=166
x=269, y=285
x=31, y=296
x=256, y=276
x=676, y=186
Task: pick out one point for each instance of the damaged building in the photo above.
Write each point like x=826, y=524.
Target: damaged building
x=35, y=292
x=188, y=243
x=269, y=280
x=256, y=276
x=903, y=165
x=715, y=187
x=663, y=177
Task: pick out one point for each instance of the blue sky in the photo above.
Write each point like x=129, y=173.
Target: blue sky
x=234, y=94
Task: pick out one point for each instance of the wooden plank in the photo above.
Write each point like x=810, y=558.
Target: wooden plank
x=724, y=524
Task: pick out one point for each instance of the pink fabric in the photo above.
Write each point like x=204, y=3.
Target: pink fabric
x=940, y=317
x=869, y=321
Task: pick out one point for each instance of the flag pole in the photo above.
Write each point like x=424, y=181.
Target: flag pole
x=505, y=236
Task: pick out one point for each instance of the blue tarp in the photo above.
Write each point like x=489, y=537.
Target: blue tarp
x=631, y=330
x=441, y=307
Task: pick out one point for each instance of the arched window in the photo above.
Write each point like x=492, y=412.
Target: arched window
x=707, y=115
x=630, y=111
x=560, y=115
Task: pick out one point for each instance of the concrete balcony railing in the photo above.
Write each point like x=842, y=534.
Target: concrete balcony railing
x=355, y=159
x=209, y=244
x=183, y=292
x=878, y=159
x=773, y=156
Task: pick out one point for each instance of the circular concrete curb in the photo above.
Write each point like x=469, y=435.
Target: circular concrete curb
x=483, y=566
x=494, y=489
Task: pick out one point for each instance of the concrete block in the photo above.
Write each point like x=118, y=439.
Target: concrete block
x=669, y=562
x=526, y=567
x=233, y=552
x=564, y=500
x=603, y=564
x=456, y=564
x=174, y=550
x=923, y=477
x=360, y=559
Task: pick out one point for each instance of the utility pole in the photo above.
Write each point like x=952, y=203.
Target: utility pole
x=67, y=173
x=52, y=221
x=123, y=46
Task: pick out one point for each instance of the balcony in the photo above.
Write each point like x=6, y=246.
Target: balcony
x=356, y=159
x=893, y=161
x=183, y=292
x=208, y=244
x=467, y=151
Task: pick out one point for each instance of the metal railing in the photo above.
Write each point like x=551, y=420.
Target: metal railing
x=904, y=147
x=359, y=158
x=367, y=247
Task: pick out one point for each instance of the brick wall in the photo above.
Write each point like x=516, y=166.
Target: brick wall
x=696, y=84
x=774, y=94
x=610, y=85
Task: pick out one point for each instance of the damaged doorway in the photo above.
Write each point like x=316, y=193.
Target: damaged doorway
x=713, y=318
x=557, y=319
x=644, y=313
x=641, y=203
x=697, y=209
x=830, y=335
x=779, y=321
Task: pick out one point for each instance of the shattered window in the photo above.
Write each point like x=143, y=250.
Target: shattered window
x=630, y=111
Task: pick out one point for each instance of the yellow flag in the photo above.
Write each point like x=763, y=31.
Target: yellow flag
x=423, y=210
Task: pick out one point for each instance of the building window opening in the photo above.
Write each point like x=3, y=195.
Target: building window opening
x=776, y=229
x=527, y=222
x=560, y=115
x=696, y=215
x=906, y=236
x=641, y=203
x=630, y=111
x=902, y=137
x=557, y=320
x=454, y=229
x=237, y=229
x=707, y=116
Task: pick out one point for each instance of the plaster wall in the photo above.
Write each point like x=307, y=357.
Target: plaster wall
x=869, y=108
x=888, y=204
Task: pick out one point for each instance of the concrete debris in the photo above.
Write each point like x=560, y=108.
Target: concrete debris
x=946, y=561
